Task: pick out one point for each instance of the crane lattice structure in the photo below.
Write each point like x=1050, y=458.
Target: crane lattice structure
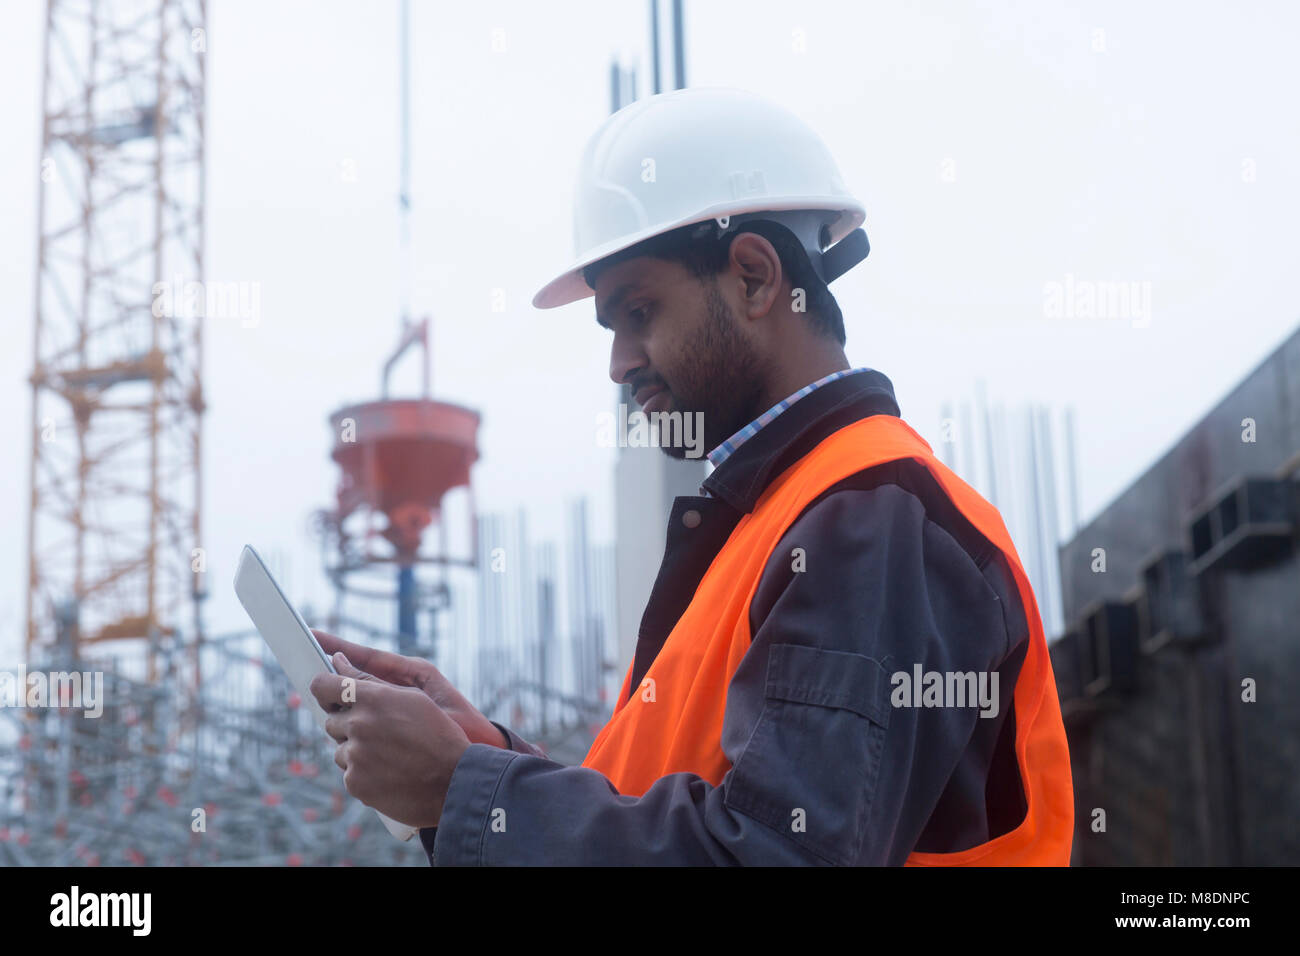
x=171, y=770
x=117, y=393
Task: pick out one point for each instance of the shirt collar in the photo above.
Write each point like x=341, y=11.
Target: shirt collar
x=790, y=432
x=725, y=450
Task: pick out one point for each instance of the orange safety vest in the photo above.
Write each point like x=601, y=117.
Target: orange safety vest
x=682, y=731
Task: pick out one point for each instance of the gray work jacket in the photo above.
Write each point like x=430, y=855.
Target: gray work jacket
x=896, y=576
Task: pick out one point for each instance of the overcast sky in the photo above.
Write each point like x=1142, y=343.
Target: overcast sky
x=997, y=147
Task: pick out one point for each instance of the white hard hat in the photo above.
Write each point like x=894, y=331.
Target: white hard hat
x=706, y=153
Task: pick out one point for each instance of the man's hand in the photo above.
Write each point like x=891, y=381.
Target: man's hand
x=396, y=746
x=416, y=672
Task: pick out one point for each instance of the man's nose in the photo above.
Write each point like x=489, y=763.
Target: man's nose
x=625, y=357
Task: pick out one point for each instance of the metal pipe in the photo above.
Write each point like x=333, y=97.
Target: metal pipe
x=679, y=54
x=654, y=42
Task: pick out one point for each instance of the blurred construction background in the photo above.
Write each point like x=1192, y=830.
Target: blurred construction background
x=1173, y=611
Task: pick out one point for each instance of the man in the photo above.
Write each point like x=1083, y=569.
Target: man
x=841, y=661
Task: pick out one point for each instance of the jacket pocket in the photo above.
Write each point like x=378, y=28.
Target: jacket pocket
x=809, y=770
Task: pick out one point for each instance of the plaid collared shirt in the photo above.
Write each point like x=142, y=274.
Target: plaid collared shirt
x=724, y=451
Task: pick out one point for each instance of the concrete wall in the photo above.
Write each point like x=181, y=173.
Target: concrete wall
x=1186, y=771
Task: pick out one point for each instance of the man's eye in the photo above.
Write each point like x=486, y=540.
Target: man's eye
x=638, y=315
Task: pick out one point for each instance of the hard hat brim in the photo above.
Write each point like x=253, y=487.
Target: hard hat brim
x=570, y=286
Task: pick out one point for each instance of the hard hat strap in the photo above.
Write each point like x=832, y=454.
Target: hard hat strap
x=810, y=227
x=844, y=255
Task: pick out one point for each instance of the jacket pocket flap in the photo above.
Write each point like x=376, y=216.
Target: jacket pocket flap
x=810, y=675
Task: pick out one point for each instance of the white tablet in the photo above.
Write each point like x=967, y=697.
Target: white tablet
x=291, y=641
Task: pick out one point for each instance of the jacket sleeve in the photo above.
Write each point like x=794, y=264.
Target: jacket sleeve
x=517, y=743
x=823, y=769
x=428, y=835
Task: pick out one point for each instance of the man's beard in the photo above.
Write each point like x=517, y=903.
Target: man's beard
x=720, y=376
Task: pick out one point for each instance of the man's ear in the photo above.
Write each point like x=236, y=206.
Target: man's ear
x=758, y=267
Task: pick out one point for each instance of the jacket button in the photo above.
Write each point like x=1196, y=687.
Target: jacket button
x=691, y=518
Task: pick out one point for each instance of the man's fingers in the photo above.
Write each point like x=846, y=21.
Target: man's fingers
x=346, y=668
x=336, y=727
x=393, y=668
x=334, y=691
x=358, y=654
x=339, y=759
x=332, y=645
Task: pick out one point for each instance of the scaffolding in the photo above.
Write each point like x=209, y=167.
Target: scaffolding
x=254, y=784
x=251, y=780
